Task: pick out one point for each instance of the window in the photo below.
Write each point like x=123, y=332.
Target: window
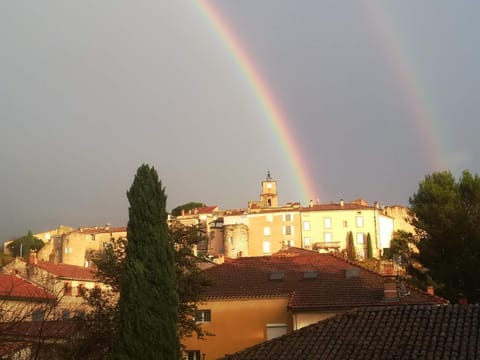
x=67, y=289
x=193, y=355
x=307, y=242
x=310, y=274
x=267, y=231
x=289, y=242
x=359, y=221
x=38, y=315
x=68, y=250
x=81, y=289
x=269, y=218
x=360, y=238
x=203, y=315
x=276, y=330
x=327, y=237
x=287, y=217
x=345, y=223
x=266, y=247
x=306, y=225
x=65, y=314
x=277, y=275
x=327, y=223
x=288, y=230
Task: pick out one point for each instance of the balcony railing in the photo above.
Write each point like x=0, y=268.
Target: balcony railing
x=326, y=244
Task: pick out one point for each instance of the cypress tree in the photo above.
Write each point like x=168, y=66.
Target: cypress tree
x=351, y=253
x=369, y=247
x=148, y=298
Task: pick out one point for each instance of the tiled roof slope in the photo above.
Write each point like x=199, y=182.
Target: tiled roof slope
x=68, y=271
x=345, y=206
x=401, y=332
x=249, y=277
x=14, y=287
x=205, y=209
x=101, y=230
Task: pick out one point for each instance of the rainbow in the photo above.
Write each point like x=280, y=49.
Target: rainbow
x=272, y=110
x=416, y=96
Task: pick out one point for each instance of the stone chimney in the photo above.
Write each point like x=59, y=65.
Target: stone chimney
x=342, y=203
x=390, y=291
x=31, y=263
x=32, y=257
x=463, y=301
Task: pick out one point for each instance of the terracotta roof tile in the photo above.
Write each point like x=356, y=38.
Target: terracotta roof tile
x=39, y=329
x=205, y=209
x=396, y=332
x=100, y=230
x=249, y=277
x=12, y=286
x=345, y=206
x=68, y=271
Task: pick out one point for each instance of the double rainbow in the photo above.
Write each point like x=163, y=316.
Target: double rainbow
x=415, y=96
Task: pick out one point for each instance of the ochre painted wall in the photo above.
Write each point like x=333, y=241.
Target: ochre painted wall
x=238, y=324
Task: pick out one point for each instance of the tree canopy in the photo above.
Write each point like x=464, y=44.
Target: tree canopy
x=447, y=219
x=177, y=211
x=23, y=245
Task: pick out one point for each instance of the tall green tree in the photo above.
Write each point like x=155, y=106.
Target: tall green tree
x=100, y=326
x=447, y=219
x=23, y=245
x=148, y=304
x=369, y=247
x=351, y=252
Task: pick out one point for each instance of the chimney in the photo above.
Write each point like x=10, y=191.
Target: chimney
x=342, y=202
x=376, y=205
x=390, y=291
x=183, y=212
x=430, y=290
x=32, y=257
x=463, y=301
x=311, y=203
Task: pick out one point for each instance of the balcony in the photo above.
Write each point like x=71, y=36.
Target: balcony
x=326, y=245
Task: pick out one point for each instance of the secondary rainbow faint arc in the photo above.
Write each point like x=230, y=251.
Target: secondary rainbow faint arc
x=277, y=120
x=415, y=94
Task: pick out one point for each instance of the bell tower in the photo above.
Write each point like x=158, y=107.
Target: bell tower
x=269, y=191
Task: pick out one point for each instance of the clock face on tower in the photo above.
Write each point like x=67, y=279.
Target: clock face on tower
x=269, y=185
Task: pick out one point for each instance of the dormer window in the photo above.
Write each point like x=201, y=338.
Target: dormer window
x=277, y=275
x=310, y=274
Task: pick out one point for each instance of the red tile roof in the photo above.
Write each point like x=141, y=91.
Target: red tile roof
x=249, y=277
x=396, y=332
x=39, y=329
x=101, y=230
x=12, y=286
x=16, y=336
x=345, y=206
x=68, y=271
x=204, y=210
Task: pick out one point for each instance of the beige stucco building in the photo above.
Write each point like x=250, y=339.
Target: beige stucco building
x=326, y=227
x=265, y=226
x=77, y=247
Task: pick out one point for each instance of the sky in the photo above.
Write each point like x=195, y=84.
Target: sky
x=361, y=99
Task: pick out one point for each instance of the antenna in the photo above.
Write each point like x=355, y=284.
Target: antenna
x=402, y=290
